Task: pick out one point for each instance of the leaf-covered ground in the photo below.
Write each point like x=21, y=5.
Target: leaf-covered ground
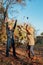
x=22, y=58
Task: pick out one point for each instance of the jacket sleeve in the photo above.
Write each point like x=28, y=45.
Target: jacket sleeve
x=14, y=25
x=6, y=27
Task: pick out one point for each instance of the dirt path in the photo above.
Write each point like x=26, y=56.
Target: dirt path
x=21, y=57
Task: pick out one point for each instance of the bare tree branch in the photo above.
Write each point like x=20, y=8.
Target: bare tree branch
x=8, y=4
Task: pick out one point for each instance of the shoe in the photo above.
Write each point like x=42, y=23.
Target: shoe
x=34, y=58
x=7, y=55
x=15, y=57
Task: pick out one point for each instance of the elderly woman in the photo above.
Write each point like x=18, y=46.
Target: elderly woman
x=31, y=41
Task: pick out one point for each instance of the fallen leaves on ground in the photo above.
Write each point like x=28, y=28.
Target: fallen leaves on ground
x=22, y=58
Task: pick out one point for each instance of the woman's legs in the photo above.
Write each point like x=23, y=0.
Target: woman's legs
x=31, y=49
x=28, y=51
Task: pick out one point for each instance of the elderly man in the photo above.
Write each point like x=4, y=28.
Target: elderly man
x=10, y=38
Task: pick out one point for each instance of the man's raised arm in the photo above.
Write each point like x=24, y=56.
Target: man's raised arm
x=6, y=27
x=15, y=24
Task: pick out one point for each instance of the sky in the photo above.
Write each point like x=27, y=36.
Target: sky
x=33, y=10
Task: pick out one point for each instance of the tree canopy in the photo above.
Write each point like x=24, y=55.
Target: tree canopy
x=42, y=33
x=9, y=4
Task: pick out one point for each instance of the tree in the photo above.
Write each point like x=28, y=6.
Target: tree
x=42, y=33
x=8, y=4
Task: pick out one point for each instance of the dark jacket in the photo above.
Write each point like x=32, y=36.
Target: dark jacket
x=10, y=32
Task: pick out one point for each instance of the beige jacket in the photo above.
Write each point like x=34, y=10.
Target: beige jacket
x=31, y=36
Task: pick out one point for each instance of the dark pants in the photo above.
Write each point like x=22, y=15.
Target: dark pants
x=10, y=42
x=28, y=48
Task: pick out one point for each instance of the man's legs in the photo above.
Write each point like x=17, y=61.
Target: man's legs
x=13, y=46
x=7, y=47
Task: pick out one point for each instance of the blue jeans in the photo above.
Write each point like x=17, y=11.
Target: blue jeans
x=10, y=42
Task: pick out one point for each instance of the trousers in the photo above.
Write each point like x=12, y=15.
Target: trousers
x=10, y=41
x=30, y=50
